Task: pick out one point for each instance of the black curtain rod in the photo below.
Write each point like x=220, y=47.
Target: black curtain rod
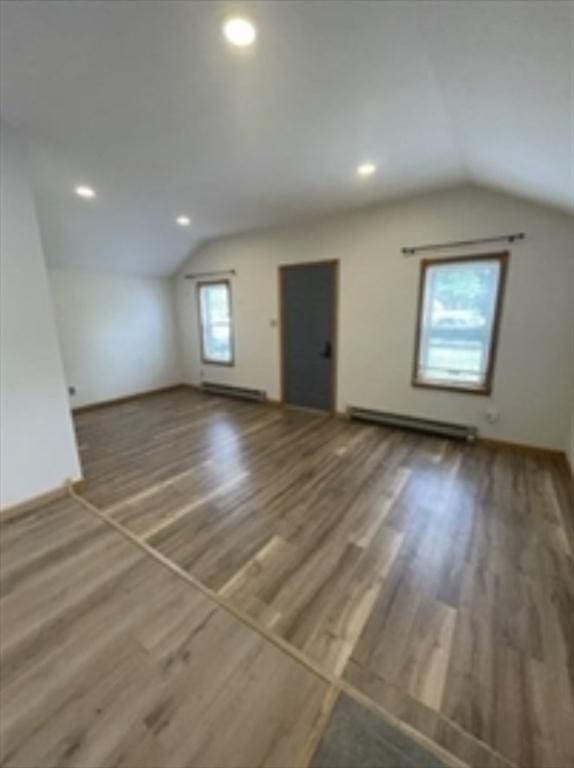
x=197, y=275
x=412, y=249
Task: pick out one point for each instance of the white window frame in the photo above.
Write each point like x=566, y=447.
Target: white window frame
x=205, y=359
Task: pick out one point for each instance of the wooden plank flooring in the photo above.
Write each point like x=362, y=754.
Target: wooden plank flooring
x=108, y=659
x=433, y=577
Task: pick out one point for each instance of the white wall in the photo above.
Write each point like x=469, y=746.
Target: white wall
x=117, y=332
x=534, y=376
x=37, y=443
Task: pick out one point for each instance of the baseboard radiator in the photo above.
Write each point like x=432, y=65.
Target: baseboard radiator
x=427, y=426
x=243, y=393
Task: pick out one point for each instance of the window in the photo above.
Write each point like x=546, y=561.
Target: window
x=458, y=317
x=215, y=322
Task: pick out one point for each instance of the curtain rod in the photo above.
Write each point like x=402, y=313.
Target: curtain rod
x=412, y=249
x=197, y=275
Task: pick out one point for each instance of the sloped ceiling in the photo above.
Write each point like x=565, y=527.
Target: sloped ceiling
x=147, y=103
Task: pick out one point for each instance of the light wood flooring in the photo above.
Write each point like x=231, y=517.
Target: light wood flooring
x=433, y=578
x=109, y=660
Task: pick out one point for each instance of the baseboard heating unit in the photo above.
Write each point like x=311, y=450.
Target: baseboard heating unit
x=243, y=393
x=413, y=423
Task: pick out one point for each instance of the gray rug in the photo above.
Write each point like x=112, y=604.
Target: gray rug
x=356, y=737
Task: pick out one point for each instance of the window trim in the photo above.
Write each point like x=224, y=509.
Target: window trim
x=502, y=258
x=204, y=359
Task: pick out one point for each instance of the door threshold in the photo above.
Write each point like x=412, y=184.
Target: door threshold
x=306, y=408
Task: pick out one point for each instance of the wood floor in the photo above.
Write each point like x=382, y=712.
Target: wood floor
x=109, y=660
x=432, y=577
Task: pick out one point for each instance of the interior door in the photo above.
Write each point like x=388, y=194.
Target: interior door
x=308, y=310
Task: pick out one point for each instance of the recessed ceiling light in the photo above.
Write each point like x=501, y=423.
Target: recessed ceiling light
x=183, y=221
x=86, y=192
x=366, y=169
x=239, y=31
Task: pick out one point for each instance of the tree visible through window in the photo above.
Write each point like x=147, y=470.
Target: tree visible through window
x=215, y=322
x=459, y=312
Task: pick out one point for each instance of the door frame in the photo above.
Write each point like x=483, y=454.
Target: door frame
x=334, y=263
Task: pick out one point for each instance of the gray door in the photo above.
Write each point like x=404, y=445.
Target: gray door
x=308, y=325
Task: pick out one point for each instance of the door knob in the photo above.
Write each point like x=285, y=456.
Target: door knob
x=326, y=353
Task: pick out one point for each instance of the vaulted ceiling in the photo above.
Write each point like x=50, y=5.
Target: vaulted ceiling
x=148, y=104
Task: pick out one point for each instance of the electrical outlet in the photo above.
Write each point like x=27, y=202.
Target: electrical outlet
x=492, y=414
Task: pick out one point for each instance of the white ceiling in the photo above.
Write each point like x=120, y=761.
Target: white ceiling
x=147, y=103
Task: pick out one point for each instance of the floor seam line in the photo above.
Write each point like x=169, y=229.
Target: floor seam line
x=325, y=718
x=333, y=680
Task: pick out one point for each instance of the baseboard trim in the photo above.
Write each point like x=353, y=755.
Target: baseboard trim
x=534, y=450
x=128, y=398
x=151, y=392
x=41, y=499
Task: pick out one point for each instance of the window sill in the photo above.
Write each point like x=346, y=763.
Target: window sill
x=485, y=391
x=230, y=364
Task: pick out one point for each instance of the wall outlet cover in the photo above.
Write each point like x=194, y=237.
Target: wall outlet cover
x=492, y=414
